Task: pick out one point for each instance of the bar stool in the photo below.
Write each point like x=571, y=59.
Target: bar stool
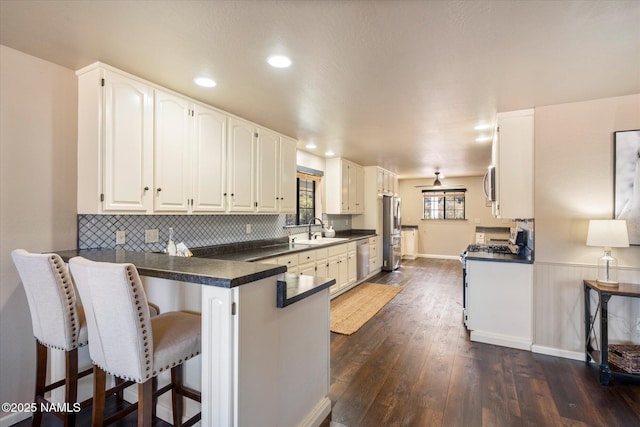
x=58, y=322
x=126, y=343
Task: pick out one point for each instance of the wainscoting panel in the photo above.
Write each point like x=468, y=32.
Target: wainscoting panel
x=559, y=307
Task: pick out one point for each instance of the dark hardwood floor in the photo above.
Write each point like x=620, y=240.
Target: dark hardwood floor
x=413, y=365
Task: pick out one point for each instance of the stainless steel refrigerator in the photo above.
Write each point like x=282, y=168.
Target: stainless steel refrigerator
x=390, y=233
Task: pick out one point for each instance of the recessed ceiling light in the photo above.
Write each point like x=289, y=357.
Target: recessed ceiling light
x=311, y=146
x=483, y=126
x=205, y=82
x=329, y=153
x=483, y=139
x=279, y=61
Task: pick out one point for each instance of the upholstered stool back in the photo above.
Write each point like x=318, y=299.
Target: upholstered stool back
x=55, y=317
x=117, y=318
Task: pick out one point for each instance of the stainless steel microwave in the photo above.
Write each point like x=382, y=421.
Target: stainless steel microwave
x=490, y=184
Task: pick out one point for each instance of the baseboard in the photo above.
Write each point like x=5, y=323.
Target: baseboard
x=502, y=340
x=558, y=352
x=436, y=256
x=13, y=418
x=318, y=414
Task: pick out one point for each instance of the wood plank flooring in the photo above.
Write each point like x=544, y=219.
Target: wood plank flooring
x=413, y=365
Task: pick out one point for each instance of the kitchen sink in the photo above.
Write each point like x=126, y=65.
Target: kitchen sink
x=320, y=241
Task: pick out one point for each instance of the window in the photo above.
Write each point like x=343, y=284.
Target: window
x=306, y=203
x=306, y=209
x=443, y=204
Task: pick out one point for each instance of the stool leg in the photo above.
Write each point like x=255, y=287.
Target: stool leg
x=41, y=382
x=71, y=385
x=145, y=403
x=176, y=397
x=99, y=396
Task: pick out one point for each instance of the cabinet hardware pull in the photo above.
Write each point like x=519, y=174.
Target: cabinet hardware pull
x=159, y=190
x=146, y=188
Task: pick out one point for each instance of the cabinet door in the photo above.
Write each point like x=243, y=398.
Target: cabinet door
x=308, y=269
x=241, y=177
x=352, y=268
x=514, y=171
x=128, y=145
x=268, y=157
x=287, y=175
x=322, y=268
x=353, y=188
x=333, y=272
x=344, y=187
x=171, y=153
x=209, y=160
x=343, y=271
x=359, y=190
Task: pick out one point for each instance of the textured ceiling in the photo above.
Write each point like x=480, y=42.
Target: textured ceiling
x=400, y=84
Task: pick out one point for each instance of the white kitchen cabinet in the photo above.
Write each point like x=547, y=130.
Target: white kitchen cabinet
x=242, y=159
x=171, y=149
x=209, y=160
x=373, y=255
x=341, y=177
x=386, y=182
x=115, y=143
x=287, y=175
x=267, y=159
x=409, y=243
x=145, y=149
x=276, y=173
x=513, y=160
x=322, y=263
x=189, y=156
x=499, y=303
x=352, y=264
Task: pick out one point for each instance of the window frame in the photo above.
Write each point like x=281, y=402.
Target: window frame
x=446, y=194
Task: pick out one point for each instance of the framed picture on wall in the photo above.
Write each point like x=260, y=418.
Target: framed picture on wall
x=626, y=182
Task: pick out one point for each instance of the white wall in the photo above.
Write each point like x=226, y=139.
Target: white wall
x=574, y=183
x=38, y=126
x=445, y=238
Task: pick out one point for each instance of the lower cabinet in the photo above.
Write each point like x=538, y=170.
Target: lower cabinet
x=337, y=262
x=373, y=254
x=499, y=303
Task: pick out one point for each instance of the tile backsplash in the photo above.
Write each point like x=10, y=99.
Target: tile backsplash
x=99, y=231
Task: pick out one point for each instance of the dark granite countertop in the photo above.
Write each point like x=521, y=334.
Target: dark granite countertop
x=211, y=272
x=525, y=258
x=295, y=287
x=409, y=227
x=264, y=249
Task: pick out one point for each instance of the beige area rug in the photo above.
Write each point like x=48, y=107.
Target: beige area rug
x=354, y=308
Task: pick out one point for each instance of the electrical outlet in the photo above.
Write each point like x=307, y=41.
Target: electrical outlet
x=121, y=237
x=248, y=229
x=151, y=236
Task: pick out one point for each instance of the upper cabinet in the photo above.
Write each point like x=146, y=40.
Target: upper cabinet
x=287, y=175
x=387, y=182
x=144, y=149
x=344, y=187
x=513, y=160
x=115, y=173
x=171, y=149
x=242, y=159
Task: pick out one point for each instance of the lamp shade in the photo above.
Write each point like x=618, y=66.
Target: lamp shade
x=611, y=233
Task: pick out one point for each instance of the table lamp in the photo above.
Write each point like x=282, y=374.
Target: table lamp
x=608, y=233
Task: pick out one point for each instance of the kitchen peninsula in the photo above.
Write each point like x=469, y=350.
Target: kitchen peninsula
x=260, y=364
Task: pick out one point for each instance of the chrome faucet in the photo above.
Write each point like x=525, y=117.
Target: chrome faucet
x=312, y=222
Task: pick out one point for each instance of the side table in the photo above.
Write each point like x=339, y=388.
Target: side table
x=604, y=294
